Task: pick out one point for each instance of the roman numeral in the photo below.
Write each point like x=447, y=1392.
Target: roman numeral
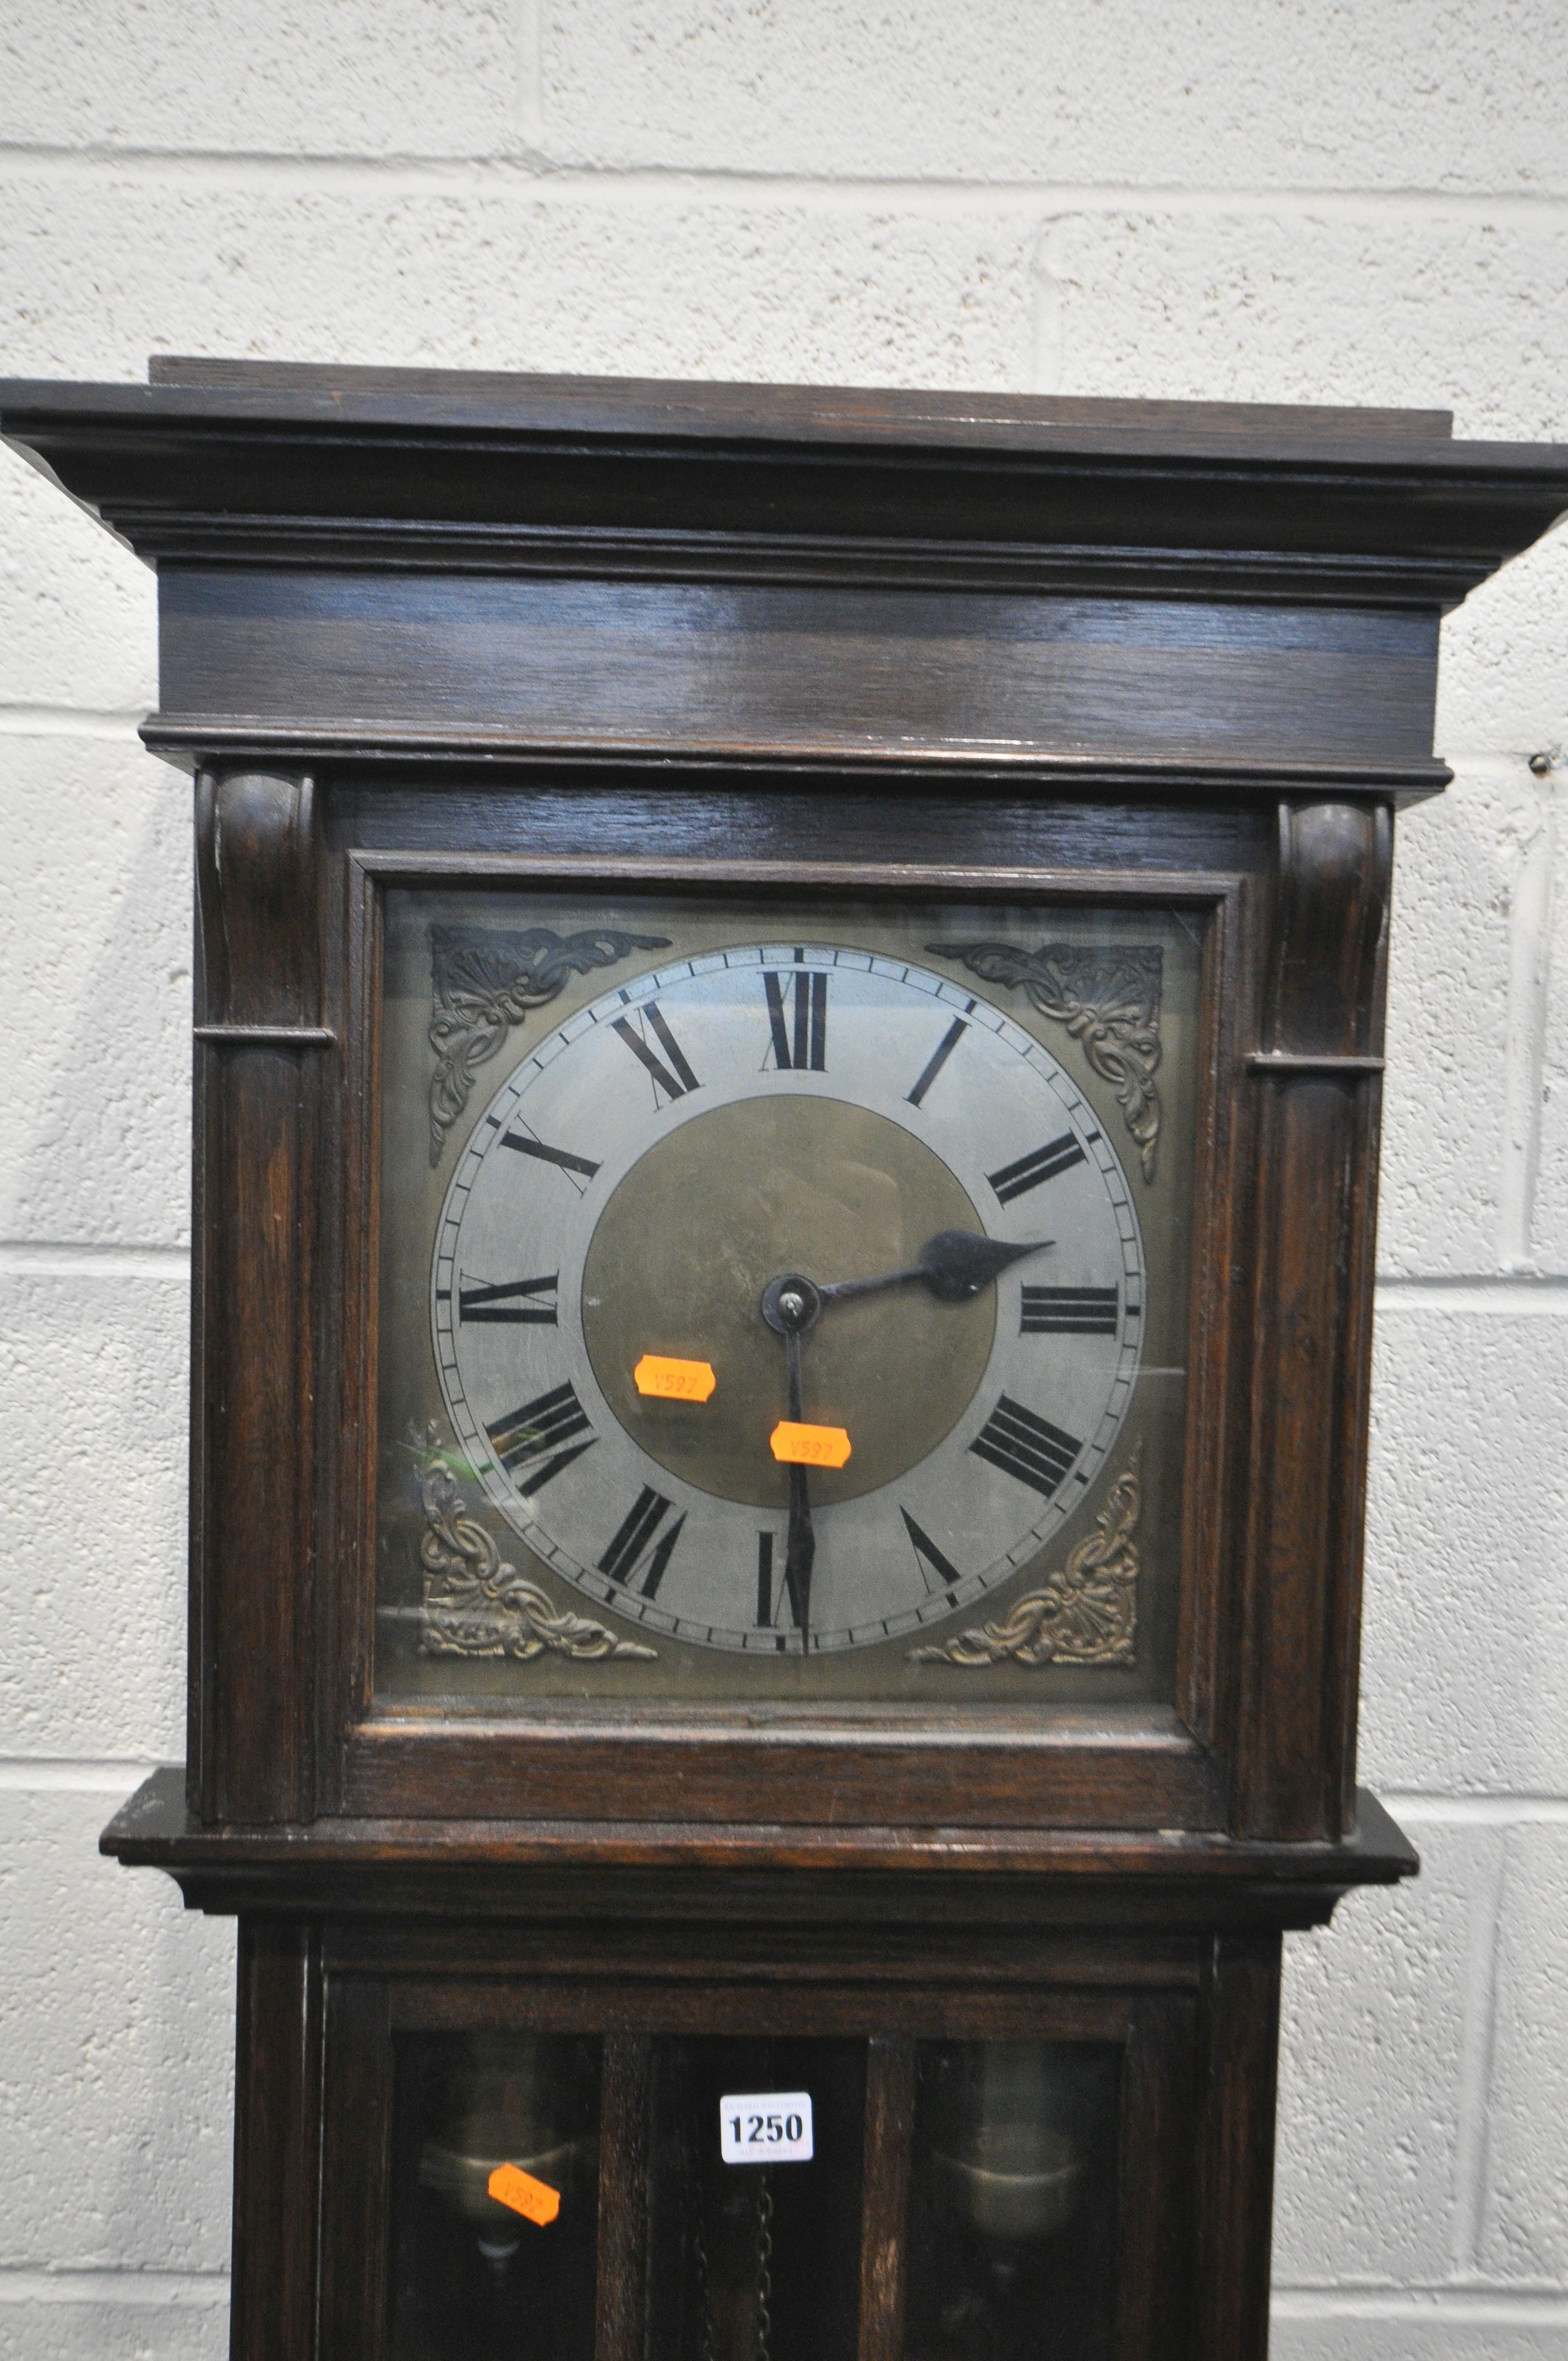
x=514, y=1301
x=803, y=1044
x=636, y=1531
x=525, y=1146
x=938, y=1058
x=940, y=1571
x=675, y=1078
x=1030, y=1448
x=1040, y=1164
x=536, y=1432
x=1069, y=1311
x=765, y=1580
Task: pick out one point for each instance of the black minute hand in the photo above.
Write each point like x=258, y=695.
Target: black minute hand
x=955, y=1264
x=801, y=1547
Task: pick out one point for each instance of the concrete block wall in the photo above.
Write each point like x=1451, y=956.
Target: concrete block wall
x=1269, y=199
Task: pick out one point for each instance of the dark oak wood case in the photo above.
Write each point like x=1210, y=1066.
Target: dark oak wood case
x=417, y=627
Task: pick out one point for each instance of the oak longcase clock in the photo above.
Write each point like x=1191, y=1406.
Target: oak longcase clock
x=789, y=1045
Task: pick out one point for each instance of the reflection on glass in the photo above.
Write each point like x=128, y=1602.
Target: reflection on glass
x=472, y=2277
x=756, y=2262
x=1012, y=2219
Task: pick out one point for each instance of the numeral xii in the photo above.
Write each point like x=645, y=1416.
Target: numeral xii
x=802, y=1043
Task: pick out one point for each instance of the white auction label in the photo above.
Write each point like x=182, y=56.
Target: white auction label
x=765, y=2127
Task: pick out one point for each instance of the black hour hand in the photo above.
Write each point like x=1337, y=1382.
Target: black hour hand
x=956, y=1264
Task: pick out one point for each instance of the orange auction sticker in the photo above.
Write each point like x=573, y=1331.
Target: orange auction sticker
x=677, y=1381
x=810, y=1446
x=534, y=2199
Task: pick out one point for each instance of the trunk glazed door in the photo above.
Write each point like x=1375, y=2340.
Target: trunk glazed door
x=1017, y=2190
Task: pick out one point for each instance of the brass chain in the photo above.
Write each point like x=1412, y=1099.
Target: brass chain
x=704, y=2293
x=764, y=2263
x=761, y=2349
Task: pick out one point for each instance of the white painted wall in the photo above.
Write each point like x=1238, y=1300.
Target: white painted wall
x=1286, y=200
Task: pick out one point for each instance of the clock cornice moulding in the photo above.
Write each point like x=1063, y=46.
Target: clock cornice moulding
x=271, y=464
x=1075, y=597
x=230, y=741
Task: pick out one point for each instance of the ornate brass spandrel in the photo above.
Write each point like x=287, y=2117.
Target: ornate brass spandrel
x=1086, y=1614
x=473, y=1603
x=486, y=979
x=1108, y=997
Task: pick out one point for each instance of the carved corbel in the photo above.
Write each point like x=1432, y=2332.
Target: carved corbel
x=1325, y=999
x=256, y=868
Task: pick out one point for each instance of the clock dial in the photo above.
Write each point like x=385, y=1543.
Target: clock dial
x=867, y=1200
